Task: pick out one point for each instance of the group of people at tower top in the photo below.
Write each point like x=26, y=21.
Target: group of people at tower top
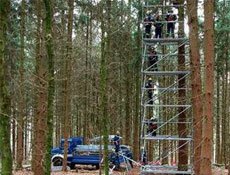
x=158, y=24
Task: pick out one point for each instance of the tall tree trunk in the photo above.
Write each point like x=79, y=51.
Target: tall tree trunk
x=218, y=145
x=128, y=77
x=206, y=162
x=137, y=102
x=223, y=120
x=62, y=83
x=40, y=99
x=182, y=129
x=6, y=156
x=20, y=125
x=68, y=72
x=196, y=81
x=226, y=106
x=86, y=89
x=103, y=106
x=51, y=84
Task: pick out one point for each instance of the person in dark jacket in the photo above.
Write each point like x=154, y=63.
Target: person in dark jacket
x=152, y=125
x=158, y=27
x=152, y=59
x=149, y=86
x=117, y=141
x=175, y=3
x=144, y=156
x=171, y=18
x=148, y=25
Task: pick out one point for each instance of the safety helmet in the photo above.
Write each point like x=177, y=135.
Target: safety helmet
x=150, y=78
x=148, y=11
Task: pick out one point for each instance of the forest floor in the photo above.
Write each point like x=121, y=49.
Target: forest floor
x=135, y=171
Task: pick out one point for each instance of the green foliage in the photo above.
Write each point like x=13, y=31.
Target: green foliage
x=222, y=31
x=84, y=19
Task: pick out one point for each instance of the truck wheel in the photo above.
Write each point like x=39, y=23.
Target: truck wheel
x=72, y=166
x=97, y=166
x=57, y=161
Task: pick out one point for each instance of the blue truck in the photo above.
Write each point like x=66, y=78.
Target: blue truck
x=89, y=155
x=79, y=154
x=72, y=143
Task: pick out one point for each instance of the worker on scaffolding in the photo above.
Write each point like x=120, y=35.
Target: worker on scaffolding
x=148, y=24
x=171, y=18
x=152, y=126
x=149, y=86
x=152, y=59
x=143, y=156
x=175, y=3
x=158, y=27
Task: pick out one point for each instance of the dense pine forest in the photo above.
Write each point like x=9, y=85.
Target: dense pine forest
x=72, y=69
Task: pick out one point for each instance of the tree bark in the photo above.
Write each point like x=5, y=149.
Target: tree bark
x=206, y=162
x=182, y=129
x=223, y=119
x=218, y=144
x=6, y=155
x=67, y=86
x=51, y=83
x=127, y=72
x=103, y=106
x=196, y=81
x=20, y=124
x=40, y=98
x=137, y=82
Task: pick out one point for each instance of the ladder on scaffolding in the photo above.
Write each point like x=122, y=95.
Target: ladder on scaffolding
x=164, y=105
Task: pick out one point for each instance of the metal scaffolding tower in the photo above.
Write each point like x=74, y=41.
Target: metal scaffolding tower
x=161, y=105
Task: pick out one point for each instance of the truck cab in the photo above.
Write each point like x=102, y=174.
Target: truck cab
x=72, y=143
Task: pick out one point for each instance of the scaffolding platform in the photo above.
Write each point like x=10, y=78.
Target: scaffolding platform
x=163, y=22
x=167, y=137
x=164, y=40
x=164, y=55
x=163, y=171
x=166, y=73
x=168, y=106
x=161, y=166
x=166, y=89
x=162, y=6
x=163, y=122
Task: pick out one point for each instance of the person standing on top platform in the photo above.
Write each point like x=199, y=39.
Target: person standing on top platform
x=158, y=27
x=152, y=59
x=149, y=86
x=171, y=18
x=148, y=25
x=175, y=3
